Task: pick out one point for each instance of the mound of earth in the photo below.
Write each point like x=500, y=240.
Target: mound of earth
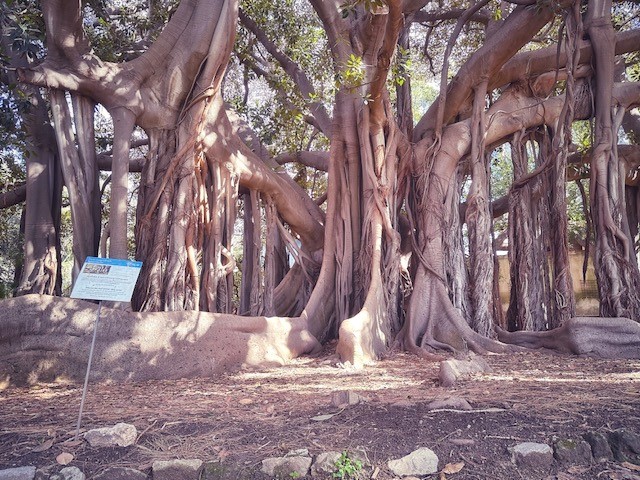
x=44, y=338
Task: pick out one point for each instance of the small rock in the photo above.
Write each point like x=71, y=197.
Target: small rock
x=625, y=446
x=325, y=463
x=344, y=398
x=600, y=448
x=360, y=454
x=422, y=461
x=19, y=473
x=216, y=471
x=456, y=403
x=174, y=469
x=121, y=473
x=300, y=452
x=286, y=467
x=69, y=473
x=572, y=452
x=451, y=370
x=41, y=475
x=120, y=435
x=538, y=456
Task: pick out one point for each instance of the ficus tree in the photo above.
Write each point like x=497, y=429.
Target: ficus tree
x=381, y=257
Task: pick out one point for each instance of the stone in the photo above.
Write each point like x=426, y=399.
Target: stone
x=600, y=448
x=422, y=461
x=18, y=473
x=538, y=456
x=325, y=463
x=451, y=370
x=570, y=451
x=456, y=403
x=625, y=446
x=294, y=464
x=121, y=473
x=344, y=398
x=300, y=452
x=41, y=475
x=120, y=435
x=215, y=471
x=174, y=469
x=69, y=473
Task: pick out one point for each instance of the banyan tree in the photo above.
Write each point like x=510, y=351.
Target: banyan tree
x=394, y=245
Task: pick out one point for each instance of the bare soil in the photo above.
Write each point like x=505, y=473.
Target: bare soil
x=239, y=419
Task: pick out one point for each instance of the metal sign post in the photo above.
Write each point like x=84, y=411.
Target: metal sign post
x=103, y=279
x=86, y=377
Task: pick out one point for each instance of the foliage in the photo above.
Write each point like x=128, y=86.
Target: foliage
x=402, y=67
x=11, y=173
x=347, y=467
x=121, y=31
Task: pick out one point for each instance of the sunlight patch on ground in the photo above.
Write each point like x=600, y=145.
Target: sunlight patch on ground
x=303, y=380
x=614, y=378
x=41, y=392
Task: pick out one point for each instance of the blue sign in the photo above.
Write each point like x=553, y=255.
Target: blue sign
x=106, y=279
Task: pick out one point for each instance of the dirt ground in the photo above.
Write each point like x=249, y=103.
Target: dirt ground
x=240, y=419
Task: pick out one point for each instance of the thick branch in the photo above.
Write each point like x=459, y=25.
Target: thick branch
x=530, y=64
x=317, y=160
x=516, y=31
x=14, y=196
x=294, y=71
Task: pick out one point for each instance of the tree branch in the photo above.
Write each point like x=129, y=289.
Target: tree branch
x=517, y=30
x=14, y=196
x=317, y=160
x=292, y=69
x=454, y=14
x=530, y=64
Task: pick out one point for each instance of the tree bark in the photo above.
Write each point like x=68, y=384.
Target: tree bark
x=616, y=271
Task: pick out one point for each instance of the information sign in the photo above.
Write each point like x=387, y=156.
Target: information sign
x=106, y=279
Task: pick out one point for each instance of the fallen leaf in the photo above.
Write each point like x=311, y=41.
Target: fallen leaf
x=631, y=466
x=451, y=468
x=322, y=418
x=64, y=458
x=245, y=401
x=72, y=443
x=43, y=446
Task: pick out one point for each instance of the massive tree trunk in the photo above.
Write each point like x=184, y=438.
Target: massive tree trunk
x=478, y=218
x=80, y=173
x=40, y=271
x=615, y=264
x=361, y=264
x=41, y=266
x=529, y=303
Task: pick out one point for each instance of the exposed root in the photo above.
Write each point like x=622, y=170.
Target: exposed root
x=602, y=337
x=434, y=324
